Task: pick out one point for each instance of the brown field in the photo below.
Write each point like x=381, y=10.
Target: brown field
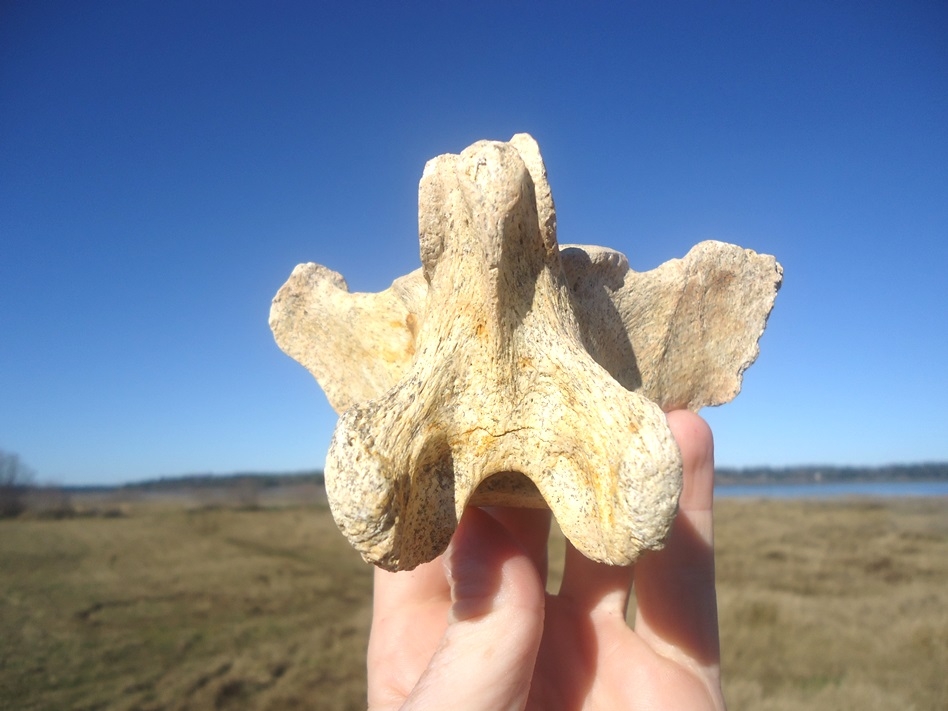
x=823, y=606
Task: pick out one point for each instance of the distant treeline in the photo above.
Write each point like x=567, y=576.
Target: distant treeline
x=724, y=475
x=814, y=474
x=259, y=480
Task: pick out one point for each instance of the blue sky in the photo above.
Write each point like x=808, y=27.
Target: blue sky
x=164, y=166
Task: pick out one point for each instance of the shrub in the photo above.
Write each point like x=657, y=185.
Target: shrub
x=15, y=481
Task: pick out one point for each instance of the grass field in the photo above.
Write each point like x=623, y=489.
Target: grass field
x=823, y=606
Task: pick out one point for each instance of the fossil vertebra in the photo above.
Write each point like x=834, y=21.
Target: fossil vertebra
x=510, y=371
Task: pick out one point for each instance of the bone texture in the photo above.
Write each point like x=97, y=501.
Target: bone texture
x=510, y=371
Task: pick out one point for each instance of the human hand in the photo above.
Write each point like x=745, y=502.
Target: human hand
x=475, y=629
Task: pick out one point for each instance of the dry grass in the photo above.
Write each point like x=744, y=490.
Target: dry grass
x=834, y=605
x=823, y=606
x=170, y=608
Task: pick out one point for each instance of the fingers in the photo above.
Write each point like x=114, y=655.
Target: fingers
x=595, y=587
x=409, y=616
x=530, y=528
x=411, y=610
x=677, y=607
x=486, y=658
x=697, y=454
x=394, y=591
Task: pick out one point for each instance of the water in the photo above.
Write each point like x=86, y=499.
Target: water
x=869, y=489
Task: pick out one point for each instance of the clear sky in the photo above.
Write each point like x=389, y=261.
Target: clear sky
x=165, y=165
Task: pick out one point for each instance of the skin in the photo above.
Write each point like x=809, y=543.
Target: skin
x=475, y=628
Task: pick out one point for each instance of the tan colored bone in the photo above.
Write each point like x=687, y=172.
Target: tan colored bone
x=508, y=371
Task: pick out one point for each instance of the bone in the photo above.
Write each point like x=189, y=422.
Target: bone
x=509, y=371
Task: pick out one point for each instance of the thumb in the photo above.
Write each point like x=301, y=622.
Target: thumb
x=486, y=657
